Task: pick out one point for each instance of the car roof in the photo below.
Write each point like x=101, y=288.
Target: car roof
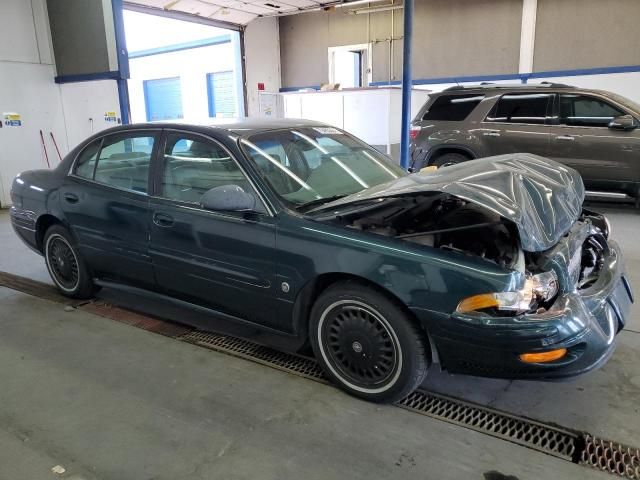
x=526, y=87
x=240, y=126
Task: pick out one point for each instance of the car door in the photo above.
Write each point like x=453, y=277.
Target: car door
x=219, y=259
x=606, y=158
x=105, y=200
x=518, y=122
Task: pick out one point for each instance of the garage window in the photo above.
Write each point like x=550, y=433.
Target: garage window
x=222, y=99
x=163, y=99
x=453, y=108
x=521, y=108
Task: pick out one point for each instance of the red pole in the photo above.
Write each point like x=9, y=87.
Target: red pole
x=55, y=144
x=44, y=147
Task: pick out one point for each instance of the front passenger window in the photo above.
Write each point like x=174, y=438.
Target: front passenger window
x=193, y=165
x=583, y=111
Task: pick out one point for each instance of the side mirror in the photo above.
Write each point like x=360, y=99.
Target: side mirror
x=228, y=198
x=623, y=122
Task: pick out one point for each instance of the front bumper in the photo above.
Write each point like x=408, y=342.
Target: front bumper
x=585, y=322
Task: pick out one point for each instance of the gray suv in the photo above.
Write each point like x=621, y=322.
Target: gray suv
x=593, y=131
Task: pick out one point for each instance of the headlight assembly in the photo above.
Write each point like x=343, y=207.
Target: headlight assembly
x=541, y=287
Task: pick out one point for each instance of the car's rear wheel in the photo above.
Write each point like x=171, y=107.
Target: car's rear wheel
x=448, y=159
x=66, y=266
x=366, y=343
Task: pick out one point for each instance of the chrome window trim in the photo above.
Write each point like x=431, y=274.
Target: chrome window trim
x=268, y=208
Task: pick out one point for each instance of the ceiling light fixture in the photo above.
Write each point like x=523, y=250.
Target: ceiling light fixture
x=387, y=8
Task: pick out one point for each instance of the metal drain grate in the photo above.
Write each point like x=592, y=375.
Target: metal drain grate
x=297, y=364
x=545, y=438
x=611, y=457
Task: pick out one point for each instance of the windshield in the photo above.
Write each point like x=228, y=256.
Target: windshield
x=625, y=101
x=314, y=165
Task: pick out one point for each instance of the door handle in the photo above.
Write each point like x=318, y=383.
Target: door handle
x=566, y=138
x=71, y=197
x=163, y=220
x=492, y=133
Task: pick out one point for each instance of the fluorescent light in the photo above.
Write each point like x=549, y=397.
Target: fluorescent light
x=361, y=11
x=355, y=2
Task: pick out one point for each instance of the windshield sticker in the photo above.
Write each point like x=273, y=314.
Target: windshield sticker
x=327, y=130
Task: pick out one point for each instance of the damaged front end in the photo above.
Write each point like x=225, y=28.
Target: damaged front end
x=524, y=214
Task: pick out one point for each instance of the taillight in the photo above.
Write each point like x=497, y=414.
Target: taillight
x=414, y=131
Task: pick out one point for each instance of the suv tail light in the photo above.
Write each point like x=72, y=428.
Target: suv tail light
x=414, y=131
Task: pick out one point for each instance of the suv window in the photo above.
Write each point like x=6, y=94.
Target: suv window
x=452, y=107
x=584, y=111
x=521, y=108
x=193, y=165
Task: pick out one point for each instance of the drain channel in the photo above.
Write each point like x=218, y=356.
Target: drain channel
x=529, y=433
x=611, y=457
x=577, y=447
x=545, y=438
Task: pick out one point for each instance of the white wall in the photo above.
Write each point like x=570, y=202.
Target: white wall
x=372, y=114
x=85, y=105
x=262, y=60
x=27, y=88
x=625, y=84
x=192, y=67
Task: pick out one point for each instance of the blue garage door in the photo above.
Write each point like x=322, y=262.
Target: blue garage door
x=222, y=99
x=163, y=99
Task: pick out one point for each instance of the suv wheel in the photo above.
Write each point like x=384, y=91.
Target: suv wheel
x=366, y=344
x=448, y=159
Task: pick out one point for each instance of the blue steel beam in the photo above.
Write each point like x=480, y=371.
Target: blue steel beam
x=406, y=83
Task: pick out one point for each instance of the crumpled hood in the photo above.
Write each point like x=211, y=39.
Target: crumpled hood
x=542, y=197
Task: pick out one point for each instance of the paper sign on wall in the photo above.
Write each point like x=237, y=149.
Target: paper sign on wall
x=12, y=119
x=110, y=117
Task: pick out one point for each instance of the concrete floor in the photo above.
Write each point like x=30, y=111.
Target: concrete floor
x=109, y=401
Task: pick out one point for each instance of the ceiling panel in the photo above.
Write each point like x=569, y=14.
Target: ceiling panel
x=239, y=12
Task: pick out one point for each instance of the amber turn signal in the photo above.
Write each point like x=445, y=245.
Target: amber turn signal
x=478, y=302
x=542, y=357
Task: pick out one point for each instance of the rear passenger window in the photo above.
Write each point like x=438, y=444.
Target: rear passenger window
x=86, y=163
x=193, y=165
x=521, y=108
x=123, y=162
x=452, y=107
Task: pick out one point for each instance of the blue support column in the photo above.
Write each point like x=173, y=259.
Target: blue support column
x=123, y=60
x=406, y=83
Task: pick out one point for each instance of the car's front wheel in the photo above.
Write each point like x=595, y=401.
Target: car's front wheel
x=366, y=343
x=66, y=266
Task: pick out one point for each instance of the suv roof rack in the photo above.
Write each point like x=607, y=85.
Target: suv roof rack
x=484, y=85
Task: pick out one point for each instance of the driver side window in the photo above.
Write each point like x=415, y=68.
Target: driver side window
x=193, y=165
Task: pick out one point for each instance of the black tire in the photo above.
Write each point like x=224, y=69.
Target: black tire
x=448, y=159
x=366, y=343
x=67, y=268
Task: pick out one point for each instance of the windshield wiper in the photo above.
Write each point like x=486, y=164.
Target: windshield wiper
x=320, y=201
